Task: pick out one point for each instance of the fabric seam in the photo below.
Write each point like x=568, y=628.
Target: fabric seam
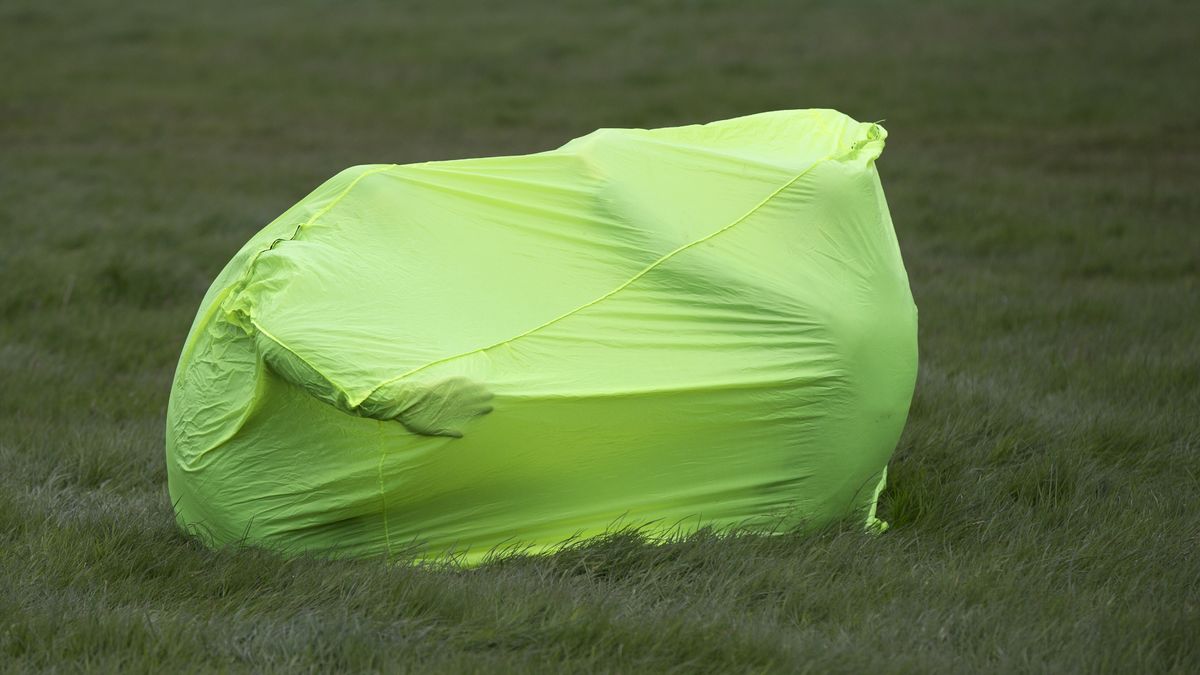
x=387, y=536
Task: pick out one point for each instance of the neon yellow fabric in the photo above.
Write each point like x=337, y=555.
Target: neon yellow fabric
x=706, y=325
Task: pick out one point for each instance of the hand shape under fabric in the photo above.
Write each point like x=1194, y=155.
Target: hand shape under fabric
x=443, y=408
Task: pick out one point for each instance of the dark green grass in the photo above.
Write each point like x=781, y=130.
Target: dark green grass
x=1043, y=171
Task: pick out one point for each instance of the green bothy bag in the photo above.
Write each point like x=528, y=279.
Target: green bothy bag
x=706, y=325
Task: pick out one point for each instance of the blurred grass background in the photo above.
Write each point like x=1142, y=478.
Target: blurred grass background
x=1042, y=169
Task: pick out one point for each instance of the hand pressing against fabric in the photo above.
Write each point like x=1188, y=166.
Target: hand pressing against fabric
x=442, y=408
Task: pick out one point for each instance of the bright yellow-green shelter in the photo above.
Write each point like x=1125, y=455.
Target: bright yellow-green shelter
x=706, y=325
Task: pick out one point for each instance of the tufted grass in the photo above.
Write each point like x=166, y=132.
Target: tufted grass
x=1042, y=169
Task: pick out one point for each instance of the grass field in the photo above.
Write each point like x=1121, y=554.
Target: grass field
x=1043, y=170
